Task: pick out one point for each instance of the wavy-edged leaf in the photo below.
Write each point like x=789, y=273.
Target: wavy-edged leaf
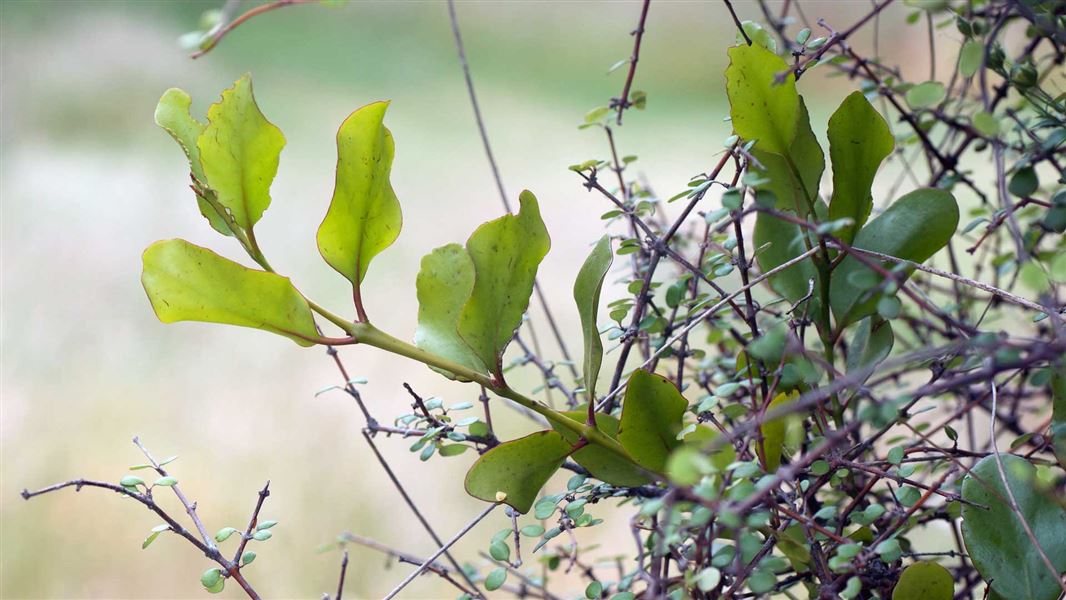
x=651, y=419
x=186, y=282
x=587, y=295
x=172, y=114
x=859, y=140
x=761, y=109
x=239, y=151
x=997, y=543
x=364, y=215
x=518, y=469
x=914, y=228
x=444, y=283
x=601, y=463
x=506, y=253
x=924, y=580
x=793, y=191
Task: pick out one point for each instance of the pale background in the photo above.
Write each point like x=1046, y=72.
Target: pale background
x=88, y=181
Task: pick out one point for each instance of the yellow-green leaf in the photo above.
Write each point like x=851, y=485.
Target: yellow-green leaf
x=239, y=151
x=587, y=295
x=506, y=253
x=914, y=228
x=515, y=471
x=172, y=114
x=444, y=283
x=601, y=463
x=924, y=581
x=775, y=431
x=859, y=140
x=185, y=282
x=761, y=108
x=651, y=419
x=689, y=462
x=364, y=216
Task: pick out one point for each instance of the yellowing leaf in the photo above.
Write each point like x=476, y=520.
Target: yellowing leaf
x=774, y=431
x=444, y=284
x=364, y=216
x=518, y=469
x=506, y=253
x=761, y=109
x=172, y=114
x=185, y=282
x=239, y=151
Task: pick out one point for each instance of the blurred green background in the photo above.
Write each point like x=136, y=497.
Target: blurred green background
x=88, y=181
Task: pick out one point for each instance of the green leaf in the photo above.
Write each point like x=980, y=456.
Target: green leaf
x=587, y=289
x=914, y=228
x=794, y=190
x=600, y=462
x=925, y=95
x=516, y=470
x=185, y=282
x=970, y=57
x=225, y=533
x=444, y=283
x=495, y=579
x=688, y=463
x=1058, y=412
x=247, y=558
x=211, y=577
x=651, y=419
x=997, y=543
x=859, y=140
x=364, y=215
x=871, y=343
x=506, y=253
x=774, y=431
x=1024, y=182
x=986, y=123
x=499, y=550
x=172, y=114
x=761, y=109
x=131, y=481
x=239, y=151
x=166, y=481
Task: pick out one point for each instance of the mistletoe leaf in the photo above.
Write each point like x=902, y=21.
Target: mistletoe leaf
x=587, y=295
x=515, y=471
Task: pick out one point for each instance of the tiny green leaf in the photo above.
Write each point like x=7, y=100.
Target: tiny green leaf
x=166, y=481
x=499, y=550
x=224, y=533
x=364, y=215
x=762, y=109
x=239, y=151
x=859, y=140
x=265, y=525
x=587, y=295
x=185, y=282
x=495, y=579
x=131, y=481
x=211, y=577
x=506, y=253
x=247, y=558
x=998, y=544
x=262, y=536
x=971, y=57
x=925, y=95
x=651, y=419
x=517, y=469
x=773, y=432
x=444, y=283
x=924, y=581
